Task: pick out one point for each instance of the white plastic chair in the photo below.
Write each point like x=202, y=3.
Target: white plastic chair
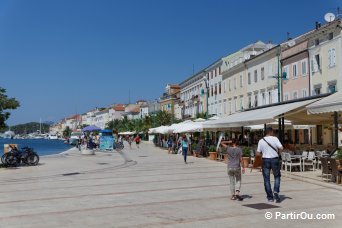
x=310, y=161
x=290, y=162
x=283, y=161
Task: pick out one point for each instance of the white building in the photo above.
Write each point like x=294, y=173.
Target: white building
x=101, y=118
x=262, y=89
x=193, y=95
x=144, y=111
x=215, y=99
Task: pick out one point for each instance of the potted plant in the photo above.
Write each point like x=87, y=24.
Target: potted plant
x=339, y=156
x=212, y=152
x=246, y=156
x=194, y=148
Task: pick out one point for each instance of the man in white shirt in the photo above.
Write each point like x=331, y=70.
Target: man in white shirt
x=270, y=147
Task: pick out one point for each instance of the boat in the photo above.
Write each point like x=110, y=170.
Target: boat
x=8, y=135
x=52, y=137
x=74, y=137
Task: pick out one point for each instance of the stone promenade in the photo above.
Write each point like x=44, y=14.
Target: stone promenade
x=146, y=187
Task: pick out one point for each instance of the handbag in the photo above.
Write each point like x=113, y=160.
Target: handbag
x=279, y=156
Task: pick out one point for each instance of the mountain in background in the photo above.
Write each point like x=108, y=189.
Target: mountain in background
x=28, y=128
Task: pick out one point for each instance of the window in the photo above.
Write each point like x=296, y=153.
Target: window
x=316, y=42
x=262, y=73
x=241, y=103
x=219, y=88
x=236, y=104
x=212, y=91
x=255, y=76
x=332, y=88
x=219, y=70
x=330, y=36
x=249, y=102
x=303, y=68
x=286, y=97
x=216, y=89
x=241, y=81
x=230, y=107
x=224, y=87
x=229, y=88
x=286, y=70
x=270, y=97
x=317, y=91
x=304, y=93
x=315, y=63
x=224, y=107
x=263, y=98
x=234, y=83
x=295, y=95
x=256, y=100
x=294, y=71
x=249, y=78
x=331, y=57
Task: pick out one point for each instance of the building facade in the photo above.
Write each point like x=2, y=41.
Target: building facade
x=295, y=64
x=193, y=95
x=169, y=98
x=325, y=58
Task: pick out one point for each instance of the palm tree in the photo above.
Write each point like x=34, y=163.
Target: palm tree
x=164, y=118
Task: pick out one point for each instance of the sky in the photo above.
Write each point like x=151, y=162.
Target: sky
x=62, y=57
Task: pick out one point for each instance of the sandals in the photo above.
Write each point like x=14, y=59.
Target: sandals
x=238, y=197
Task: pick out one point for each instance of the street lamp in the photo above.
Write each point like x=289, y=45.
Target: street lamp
x=206, y=82
x=280, y=76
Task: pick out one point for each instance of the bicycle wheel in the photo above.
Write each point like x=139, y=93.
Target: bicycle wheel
x=3, y=159
x=33, y=159
x=11, y=160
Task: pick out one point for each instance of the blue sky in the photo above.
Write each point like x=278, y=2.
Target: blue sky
x=61, y=57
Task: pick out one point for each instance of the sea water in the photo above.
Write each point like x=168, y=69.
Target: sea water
x=41, y=146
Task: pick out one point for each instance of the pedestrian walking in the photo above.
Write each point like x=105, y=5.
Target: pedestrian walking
x=137, y=141
x=270, y=148
x=79, y=143
x=169, y=145
x=234, y=168
x=130, y=142
x=185, y=146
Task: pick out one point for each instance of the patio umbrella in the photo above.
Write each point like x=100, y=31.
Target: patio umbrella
x=91, y=128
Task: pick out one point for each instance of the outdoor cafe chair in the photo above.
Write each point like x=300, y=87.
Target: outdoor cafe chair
x=336, y=174
x=283, y=161
x=310, y=161
x=305, y=154
x=326, y=172
x=318, y=161
x=291, y=162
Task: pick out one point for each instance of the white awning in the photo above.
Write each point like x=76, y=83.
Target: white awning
x=332, y=103
x=257, y=116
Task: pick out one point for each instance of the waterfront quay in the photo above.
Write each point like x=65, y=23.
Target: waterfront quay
x=147, y=187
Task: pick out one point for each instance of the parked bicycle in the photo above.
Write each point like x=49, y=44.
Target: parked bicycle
x=25, y=156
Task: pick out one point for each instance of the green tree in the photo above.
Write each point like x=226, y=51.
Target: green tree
x=6, y=103
x=67, y=132
x=201, y=115
x=164, y=118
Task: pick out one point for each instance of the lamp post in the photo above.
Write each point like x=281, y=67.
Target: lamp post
x=206, y=82
x=280, y=76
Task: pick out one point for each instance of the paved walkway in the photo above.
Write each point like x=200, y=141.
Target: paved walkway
x=149, y=188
